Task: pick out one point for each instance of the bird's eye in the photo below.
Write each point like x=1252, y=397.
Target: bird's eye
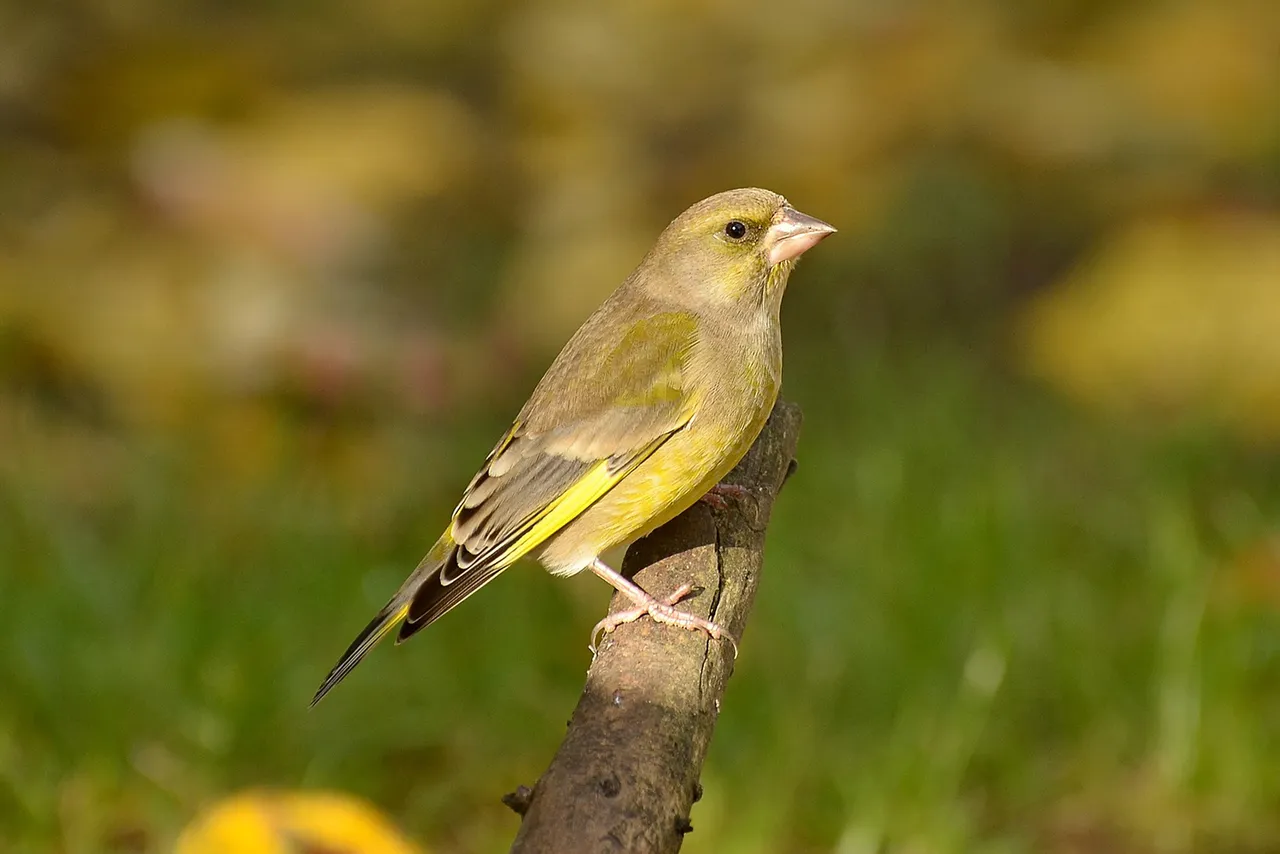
x=735, y=229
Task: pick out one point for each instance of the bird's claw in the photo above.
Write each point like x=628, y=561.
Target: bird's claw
x=719, y=496
x=663, y=611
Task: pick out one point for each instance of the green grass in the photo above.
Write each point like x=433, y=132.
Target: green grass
x=988, y=623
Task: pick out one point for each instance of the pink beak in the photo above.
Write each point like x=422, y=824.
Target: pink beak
x=793, y=234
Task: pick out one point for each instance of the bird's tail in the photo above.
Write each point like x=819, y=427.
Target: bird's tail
x=391, y=615
x=379, y=627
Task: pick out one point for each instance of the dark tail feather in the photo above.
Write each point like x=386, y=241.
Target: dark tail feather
x=391, y=615
x=440, y=593
x=388, y=618
x=425, y=597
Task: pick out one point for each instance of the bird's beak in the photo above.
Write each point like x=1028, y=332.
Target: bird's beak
x=793, y=234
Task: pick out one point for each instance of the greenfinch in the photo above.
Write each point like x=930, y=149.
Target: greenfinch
x=653, y=400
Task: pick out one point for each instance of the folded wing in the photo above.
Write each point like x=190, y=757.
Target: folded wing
x=591, y=421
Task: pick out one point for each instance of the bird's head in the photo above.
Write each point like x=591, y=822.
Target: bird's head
x=738, y=246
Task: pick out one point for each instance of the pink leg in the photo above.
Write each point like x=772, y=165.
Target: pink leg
x=721, y=494
x=661, y=611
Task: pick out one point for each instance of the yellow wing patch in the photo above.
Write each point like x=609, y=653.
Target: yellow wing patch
x=587, y=490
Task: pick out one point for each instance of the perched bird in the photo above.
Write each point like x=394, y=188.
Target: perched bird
x=653, y=400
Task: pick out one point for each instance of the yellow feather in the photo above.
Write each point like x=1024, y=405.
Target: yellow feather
x=586, y=491
x=393, y=620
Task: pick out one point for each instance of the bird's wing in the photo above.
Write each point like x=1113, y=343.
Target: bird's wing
x=594, y=417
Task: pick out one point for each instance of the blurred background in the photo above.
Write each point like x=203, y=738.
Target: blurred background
x=274, y=276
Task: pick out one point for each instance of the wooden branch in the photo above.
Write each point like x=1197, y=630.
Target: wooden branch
x=626, y=774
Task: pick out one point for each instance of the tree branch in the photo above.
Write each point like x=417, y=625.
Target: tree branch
x=626, y=774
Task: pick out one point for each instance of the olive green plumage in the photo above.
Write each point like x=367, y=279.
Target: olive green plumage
x=652, y=401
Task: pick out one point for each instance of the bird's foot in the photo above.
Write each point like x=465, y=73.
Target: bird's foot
x=661, y=611
x=719, y=496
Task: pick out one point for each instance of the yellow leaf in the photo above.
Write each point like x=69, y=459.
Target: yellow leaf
x=261, y=822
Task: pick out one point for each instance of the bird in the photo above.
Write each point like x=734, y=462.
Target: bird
x=652, y=401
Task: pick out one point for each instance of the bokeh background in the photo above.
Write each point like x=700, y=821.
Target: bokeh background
x=274, y=275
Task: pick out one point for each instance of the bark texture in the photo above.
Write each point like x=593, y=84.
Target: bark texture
x=626, y=775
